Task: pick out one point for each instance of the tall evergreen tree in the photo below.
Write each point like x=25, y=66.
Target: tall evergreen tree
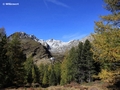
x=64, y=70
x=32, y=71
x=68, y=67
x=88, y=62
x=79, y=72
x=28, y=68
x=57, y=69
x=45, y=81
x=71, y=65
x=4, y=62
x=52, y=77
x=35, y=74
x=17, y=59
x=41, y=68
x=84, y=63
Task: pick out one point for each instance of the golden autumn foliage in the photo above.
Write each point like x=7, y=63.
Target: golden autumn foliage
x=108, y=76
x=106, y=43
x=107, y=46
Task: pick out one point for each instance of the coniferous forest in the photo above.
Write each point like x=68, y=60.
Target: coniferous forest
x=89, y=61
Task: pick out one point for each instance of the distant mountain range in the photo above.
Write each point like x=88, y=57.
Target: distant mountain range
x=54, y=46
x=42, y=50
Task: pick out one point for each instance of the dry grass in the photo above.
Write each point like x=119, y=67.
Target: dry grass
x=59, y=88
x=73, y=86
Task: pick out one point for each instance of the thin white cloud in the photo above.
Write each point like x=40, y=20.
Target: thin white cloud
x=45, y=3
x=74, y=36
x=56, y=2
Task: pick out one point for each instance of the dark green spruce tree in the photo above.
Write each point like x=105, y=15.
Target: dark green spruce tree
x=88, y=62
x=78, y=70
x=4, y=62
x=17, y=59
x=71, y=66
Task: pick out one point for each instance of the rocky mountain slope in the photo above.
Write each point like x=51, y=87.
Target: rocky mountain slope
x=31, y=46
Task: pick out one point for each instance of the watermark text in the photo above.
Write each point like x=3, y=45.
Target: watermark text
x=10, y=4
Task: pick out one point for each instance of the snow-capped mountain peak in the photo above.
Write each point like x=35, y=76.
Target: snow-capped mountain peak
x=55, y=43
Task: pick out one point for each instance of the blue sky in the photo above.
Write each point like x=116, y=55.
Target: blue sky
x=51, y=19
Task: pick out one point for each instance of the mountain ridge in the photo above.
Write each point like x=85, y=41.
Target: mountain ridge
x=54, y=46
